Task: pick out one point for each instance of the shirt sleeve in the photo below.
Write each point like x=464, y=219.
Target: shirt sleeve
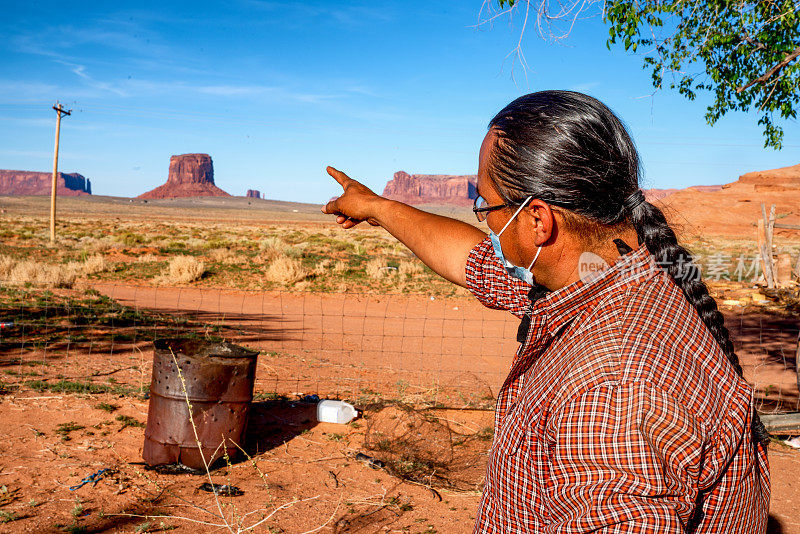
x=623, y=458
x=491, y=284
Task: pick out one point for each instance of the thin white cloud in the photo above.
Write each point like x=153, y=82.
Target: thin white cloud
x=80, y=71
x=64, y=40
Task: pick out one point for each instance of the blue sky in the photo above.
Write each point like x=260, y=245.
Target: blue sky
x=275, y=91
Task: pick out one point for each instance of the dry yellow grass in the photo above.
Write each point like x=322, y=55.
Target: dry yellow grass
x=184, y=269
x=377, y=268
x=98, y=244
x=328, y=266
x=285, y=270
x=339, y=266
x=223, y=255
x=46, y=274
x=92, y=265
x=236, y=252
x=6, y=264
x=411, y=268
x=272, y=248
x=323, y=267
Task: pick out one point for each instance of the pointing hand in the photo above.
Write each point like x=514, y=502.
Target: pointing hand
x=357, y=203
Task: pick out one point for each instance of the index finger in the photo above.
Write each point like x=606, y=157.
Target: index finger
x=338, y=175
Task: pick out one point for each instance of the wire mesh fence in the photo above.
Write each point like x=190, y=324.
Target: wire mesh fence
x=418, y=349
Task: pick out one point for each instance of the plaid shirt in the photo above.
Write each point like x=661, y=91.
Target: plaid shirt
x=620, y=412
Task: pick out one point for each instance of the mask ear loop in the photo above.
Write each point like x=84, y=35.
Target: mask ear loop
x=538, y=250
x=515, y=214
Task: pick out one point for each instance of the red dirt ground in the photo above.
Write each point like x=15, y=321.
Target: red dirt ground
x=360, y=347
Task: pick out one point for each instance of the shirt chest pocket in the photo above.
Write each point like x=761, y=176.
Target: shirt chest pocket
x=511, y=480
x=513, y=434
x=515, y=470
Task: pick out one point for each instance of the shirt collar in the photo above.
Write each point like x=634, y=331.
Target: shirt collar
x=559, y=307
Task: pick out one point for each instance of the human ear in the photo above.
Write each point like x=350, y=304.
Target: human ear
x=541, y=219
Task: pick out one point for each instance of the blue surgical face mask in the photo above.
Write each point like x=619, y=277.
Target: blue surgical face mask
x=521, y=273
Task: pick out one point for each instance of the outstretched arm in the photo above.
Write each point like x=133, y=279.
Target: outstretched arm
x=442, y=243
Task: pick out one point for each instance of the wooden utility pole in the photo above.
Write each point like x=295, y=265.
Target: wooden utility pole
x=59, y=111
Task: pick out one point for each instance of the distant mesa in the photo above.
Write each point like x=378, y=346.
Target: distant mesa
x=190, y=175
x=432, y=188
x=253, y=193
x=40, y=183
x=783, y=179
x=446, y=189
x=658, y=194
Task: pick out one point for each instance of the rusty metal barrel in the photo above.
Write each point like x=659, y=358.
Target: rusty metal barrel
x=218, y=381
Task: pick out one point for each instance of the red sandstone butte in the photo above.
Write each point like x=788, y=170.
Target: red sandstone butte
x=734, y=208
x=39, y=183
x=253, y=193
x=190, y=175
x=657, y=194
x=460, y=190
x=431, y=189
x=783, y=179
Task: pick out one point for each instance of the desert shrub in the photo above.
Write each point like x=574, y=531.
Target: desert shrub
x=99, y=244
x=271, y=249
x=94, y=264
x=185, y=269
x=46, y=274
x=285, y=270
x=377, y=268
x=410, y=268
x=223, y=255
x=216, y=243
x=30, y=271
x=339, y=266
x=329, y=266
x=6, y=264
x=195, y=243
x=129, y=239
x=323, y=267
x=147, y=258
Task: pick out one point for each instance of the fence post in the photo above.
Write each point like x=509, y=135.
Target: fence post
x=762, y=252
x=770, y=236
x=797, y=268
x=765, y=232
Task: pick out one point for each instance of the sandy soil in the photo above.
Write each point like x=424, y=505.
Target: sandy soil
x=376, y=350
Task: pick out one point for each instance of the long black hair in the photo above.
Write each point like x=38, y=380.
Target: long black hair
x=570, y=150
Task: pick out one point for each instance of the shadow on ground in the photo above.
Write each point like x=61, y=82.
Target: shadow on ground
x=774, y=525
x=272, y=423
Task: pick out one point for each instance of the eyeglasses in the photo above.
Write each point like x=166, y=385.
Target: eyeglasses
x=481, y=208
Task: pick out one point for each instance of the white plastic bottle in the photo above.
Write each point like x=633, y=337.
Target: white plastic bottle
x=333, y=411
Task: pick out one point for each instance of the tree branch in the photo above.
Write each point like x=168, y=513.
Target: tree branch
x=771, y=72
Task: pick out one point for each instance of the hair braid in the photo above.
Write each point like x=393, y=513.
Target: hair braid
x=654, y=231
